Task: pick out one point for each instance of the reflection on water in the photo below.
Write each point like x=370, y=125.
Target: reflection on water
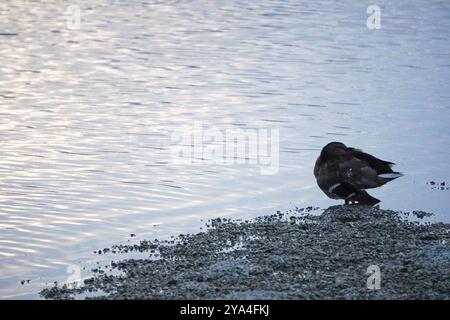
x=86, y=115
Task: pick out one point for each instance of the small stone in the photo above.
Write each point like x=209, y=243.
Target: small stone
x=172, y=282
x=339, y=280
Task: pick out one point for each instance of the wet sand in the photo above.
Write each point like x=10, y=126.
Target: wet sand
x=295, y=255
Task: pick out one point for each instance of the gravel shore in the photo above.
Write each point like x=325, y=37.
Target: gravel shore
x=295, y=255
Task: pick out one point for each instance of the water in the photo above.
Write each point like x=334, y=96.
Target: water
x=87, y=112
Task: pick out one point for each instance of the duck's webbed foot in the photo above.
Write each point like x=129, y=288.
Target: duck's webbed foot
x=363, y=198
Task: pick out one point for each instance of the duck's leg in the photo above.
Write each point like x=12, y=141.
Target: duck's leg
x=345, y=191
x=366, y=199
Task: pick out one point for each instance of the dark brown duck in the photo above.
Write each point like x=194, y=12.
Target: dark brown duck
x=345, y=173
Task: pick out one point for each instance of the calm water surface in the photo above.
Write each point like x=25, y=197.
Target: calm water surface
x=86, y=115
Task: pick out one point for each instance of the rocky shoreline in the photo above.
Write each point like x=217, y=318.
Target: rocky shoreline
x=347, y=252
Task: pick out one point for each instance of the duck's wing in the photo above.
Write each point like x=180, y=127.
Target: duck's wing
x=357, y=172
x=365, y=171
x=344, y=175
x=380, y=166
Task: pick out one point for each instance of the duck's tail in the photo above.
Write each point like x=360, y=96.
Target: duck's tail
x=390, y=175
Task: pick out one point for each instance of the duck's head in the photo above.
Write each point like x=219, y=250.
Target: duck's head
x=333, y=149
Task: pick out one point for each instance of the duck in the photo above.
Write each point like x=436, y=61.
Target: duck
x=345, y=173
